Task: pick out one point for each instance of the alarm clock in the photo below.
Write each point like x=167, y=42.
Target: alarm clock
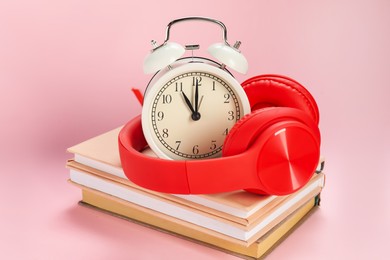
x=214, y=135
x=192, y=103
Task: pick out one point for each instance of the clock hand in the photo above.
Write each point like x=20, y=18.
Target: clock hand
x=196, y=97
x=188, y=102
x=195, y=115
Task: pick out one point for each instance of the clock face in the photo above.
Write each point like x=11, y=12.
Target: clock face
x=190, y=115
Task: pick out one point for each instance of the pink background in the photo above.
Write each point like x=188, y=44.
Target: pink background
x=66, y=70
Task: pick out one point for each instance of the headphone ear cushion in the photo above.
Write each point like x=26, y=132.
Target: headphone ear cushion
x=280, y=91
x=245, y=132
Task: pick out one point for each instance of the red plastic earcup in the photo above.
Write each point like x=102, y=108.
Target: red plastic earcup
x=288, y=142
x=289, y=154
x=279, y=91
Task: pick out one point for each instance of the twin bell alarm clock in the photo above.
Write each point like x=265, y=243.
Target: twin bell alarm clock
x=212, y=134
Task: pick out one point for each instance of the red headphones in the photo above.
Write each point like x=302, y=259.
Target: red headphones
x=273, y=150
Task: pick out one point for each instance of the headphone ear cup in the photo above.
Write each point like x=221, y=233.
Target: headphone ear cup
x=280, y=91
x=286, y=142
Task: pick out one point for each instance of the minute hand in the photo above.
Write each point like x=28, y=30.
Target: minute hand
x=196, y=97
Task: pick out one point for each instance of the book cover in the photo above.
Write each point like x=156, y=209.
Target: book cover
x=132, y=212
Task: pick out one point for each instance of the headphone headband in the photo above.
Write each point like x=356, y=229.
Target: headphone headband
x=182, y=177
x=261, y=167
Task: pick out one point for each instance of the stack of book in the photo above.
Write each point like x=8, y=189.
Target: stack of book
x=240, y=223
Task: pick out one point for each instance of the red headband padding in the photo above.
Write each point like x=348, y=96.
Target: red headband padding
x=280, y=91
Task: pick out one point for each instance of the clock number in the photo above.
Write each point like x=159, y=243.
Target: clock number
x=166, y=99
x=197, y=78
x=160, y=115
x=195, y=149
x=231, y=115
x=179, y=87
x=213, y=85
x=226, y=131
x=227, y=98
x=165, y=133
x=178, y=144
x=213, y=145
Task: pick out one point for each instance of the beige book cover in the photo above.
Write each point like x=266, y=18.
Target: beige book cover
x=161, y=222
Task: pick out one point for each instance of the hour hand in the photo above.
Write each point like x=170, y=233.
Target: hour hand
x=188, y=102
x=195, y=115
